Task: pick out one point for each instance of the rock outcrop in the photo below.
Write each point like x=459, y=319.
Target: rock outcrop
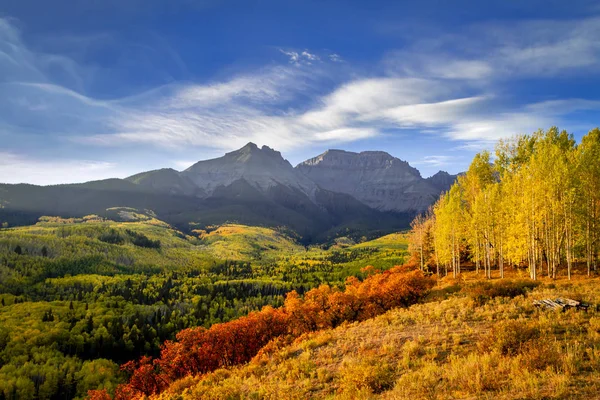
x=263, y=168
x=376, y=178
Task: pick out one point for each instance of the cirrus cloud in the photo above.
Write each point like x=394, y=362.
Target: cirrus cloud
x=310, y=100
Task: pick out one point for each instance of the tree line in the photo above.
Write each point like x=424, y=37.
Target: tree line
x=534, y=204
x=200, y=350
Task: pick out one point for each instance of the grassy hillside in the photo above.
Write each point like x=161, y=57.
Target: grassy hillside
x=80, y=296
x=240, y=242
x=458, y=344
x=387, y=250
x=56, y=247
x=332, y=265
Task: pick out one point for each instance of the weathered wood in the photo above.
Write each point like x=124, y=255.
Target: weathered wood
x=560, y=304
x=568, y=302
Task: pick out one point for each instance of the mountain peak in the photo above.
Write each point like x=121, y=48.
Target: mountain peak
x=442, y=180
x=376, y=178
x=166, y=180
x=251, y=146
x=252, y=154
x=333, y=151
x=334, y=158
x=376, y=153
x=440, y=173
x=261, y=167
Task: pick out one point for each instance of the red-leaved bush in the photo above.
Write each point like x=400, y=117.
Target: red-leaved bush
x=199, y=350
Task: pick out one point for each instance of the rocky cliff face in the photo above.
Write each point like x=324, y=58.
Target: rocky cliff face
x=375, y=178
x=442, y=181
x=263, y=168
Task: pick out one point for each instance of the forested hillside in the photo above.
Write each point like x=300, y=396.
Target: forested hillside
x=534, y=204
x=79, y=297
x=467, y=340
x=199, y=351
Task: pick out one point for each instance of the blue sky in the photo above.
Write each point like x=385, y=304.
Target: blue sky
x=98, y=89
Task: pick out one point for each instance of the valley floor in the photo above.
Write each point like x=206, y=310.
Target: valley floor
x=461, y=343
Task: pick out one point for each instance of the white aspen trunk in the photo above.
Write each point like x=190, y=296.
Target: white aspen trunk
x=437, y=262
x=501, y=259
x=477, y=255
x=532, y=238
x=593, y=236
x=570, y=239
x=588, y=247
x=453, y=256
x=548, y=247
x=458, y=258
x=488, y=271
x=534, y=252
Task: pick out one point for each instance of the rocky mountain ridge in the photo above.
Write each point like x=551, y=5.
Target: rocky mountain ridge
x=375, y=178
x=263, y=168
x=336, y=193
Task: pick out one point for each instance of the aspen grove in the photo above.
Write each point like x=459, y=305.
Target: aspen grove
x=535, y=204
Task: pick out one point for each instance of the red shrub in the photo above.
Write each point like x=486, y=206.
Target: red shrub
x=199, y=350
x=98, y=395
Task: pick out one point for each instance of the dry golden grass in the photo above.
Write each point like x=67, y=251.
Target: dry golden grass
x=451, y=347
x=241, y=242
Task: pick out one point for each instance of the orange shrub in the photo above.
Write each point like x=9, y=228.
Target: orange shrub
x=199, y=350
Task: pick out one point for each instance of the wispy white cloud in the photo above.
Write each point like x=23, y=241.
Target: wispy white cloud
x=474, y=146
x=361, y=98
x=491, y=126
x=19, y=64
x=342, y=135
x=293, y=56
x=547, y=47
x=430, y=114
x=225, y=129
x=309, y=56
x=436, y=161
x=15, y=168
x=501, y=50
x=303, y=103
x=433, y=63
x=303, y=57
x=563, y=106
x=251, y=88
x=497, y=126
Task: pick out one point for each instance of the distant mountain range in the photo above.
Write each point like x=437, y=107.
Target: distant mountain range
x=337, y=192
x=375, y=178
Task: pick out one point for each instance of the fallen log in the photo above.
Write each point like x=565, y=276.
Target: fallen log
x=560, y=304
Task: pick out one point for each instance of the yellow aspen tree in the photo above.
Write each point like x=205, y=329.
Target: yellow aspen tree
x=588, y=171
